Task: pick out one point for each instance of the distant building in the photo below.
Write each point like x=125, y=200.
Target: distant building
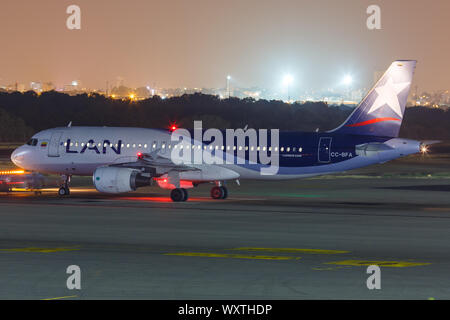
x=20, y=87
x=119, y=82
x=143, y=93
x=69, y=88
x=36, y=86
x=48, y=86
x=357, y=95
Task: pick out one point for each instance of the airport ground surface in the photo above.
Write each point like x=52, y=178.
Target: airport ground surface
x=307, y=239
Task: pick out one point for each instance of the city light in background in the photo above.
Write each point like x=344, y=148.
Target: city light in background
x=261, y=45
x=348, y=80
x=287, y=81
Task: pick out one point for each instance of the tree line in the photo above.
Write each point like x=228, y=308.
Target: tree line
x=22, y=114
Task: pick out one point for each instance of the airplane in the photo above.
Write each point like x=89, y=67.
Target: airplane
x=121, y=159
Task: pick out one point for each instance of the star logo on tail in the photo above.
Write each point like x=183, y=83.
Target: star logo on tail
x=388, y=94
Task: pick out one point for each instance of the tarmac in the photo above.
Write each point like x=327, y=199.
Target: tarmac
x=305, y=239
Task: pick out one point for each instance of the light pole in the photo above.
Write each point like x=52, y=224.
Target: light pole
x=228, y=85
x=348, y=79
x=287, y=80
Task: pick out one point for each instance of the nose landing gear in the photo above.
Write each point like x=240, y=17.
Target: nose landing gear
x=64, y=190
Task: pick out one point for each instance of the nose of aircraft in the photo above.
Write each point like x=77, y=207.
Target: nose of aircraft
x=18, y=157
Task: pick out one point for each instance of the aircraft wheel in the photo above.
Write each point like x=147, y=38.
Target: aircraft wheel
x=224, y=192
x=217, y=193
x=177, y=195
x=63, y=191
x=185, y=194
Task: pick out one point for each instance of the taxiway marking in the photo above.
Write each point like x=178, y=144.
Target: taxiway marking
x=58, y=298
x=395, y=264
x=233, y=256
x=292, y=250
x=38, y=250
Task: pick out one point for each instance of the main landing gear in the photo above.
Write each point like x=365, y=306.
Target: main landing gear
x=64, y=190
x=179, y=194
x=219, y=192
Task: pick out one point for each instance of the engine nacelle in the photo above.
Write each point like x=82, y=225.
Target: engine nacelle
x=118, y=180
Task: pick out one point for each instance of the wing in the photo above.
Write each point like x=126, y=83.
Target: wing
x=155, y=164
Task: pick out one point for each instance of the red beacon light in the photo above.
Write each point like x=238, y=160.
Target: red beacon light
x=140, y=155
x=173, y=127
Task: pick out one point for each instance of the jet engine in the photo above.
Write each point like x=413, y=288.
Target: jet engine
x=119, y=180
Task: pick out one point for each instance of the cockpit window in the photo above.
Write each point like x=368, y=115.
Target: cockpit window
x=32, y=142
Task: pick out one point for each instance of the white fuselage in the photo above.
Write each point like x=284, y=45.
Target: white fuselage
x=80, y=150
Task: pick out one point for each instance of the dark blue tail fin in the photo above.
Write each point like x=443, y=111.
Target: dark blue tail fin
x=380, y=113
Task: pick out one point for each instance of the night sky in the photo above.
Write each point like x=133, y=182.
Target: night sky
x=196, y=43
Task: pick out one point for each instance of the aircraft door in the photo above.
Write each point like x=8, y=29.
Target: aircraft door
x=53, y=148
x=324, y=149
